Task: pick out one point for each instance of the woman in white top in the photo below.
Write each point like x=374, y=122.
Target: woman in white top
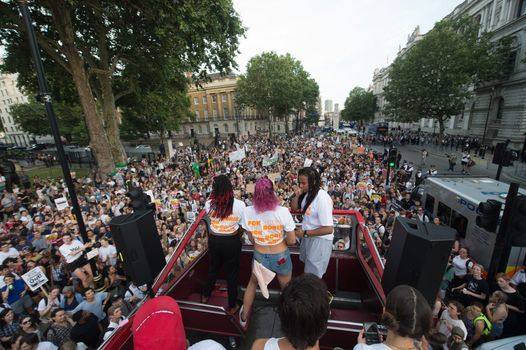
x=73, y=251
x=303, y=309
x=317, y=227
x=266, y=222
x=407, y=317
x=461, y=266
x=224, y=242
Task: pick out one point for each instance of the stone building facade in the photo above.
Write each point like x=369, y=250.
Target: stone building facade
x=497, y=110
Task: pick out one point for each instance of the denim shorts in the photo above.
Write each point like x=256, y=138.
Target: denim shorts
x=280, y=263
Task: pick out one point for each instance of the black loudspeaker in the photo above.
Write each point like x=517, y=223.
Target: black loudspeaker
x=418, y=256
x=138, y=246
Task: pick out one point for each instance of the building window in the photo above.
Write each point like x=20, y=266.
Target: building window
x=521, y=8
x=200, y=129
x=204, y=100
x=214, y=98
x=206, y=114
x=226, y=127
x=225, y=113
x=512, y=60
x=223, y=98
x=196, y=114
x=196, y=100
x=500, y=108
x=214, y=114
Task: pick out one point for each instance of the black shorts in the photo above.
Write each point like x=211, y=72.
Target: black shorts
x=78, y=263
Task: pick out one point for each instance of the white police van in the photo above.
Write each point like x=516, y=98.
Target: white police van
x=455, y=201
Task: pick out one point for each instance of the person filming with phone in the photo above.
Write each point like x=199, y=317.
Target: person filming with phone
x=407, y=317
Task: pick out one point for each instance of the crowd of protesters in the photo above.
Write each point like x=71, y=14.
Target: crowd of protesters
x=34, y=224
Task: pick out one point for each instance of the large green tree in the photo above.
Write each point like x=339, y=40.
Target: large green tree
x=433, y=78
x=359, y=105
x=32, y=118
x=108, y=47
x=276, y=86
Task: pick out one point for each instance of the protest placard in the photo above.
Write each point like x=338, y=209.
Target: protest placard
x=61, y=203
x=274, y=177
x=250, y=188
x=35, y=278
x=307, y=163
x=237, y=155
x=270, y=161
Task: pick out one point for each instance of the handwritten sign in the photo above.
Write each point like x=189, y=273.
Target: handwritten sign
x=274, y=177
x=92, y=253
x=237, y=155
x=35, y=278
x=61, y=203
x=307, y=163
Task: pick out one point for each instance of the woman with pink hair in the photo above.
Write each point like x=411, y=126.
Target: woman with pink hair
x=271, y=229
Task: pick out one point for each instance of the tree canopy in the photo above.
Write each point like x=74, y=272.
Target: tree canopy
x=113, y=49
x=432, y=79
x=359, y=105
x=276, y=86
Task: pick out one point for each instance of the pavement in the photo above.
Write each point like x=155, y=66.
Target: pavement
x=438, y=158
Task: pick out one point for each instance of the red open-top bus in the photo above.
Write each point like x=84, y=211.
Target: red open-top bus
x=353, y=277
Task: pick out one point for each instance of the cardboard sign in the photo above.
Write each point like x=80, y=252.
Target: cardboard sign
x=35, y=278
x=250, y=188
x=237, y=155
x=274, y=177
x=61, y=203
x=92, y=253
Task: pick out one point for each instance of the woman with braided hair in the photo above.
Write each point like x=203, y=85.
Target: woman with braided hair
x=407, y=317
x=317, y=226
x=224, y=243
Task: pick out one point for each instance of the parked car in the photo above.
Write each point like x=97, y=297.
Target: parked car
x=36, y=147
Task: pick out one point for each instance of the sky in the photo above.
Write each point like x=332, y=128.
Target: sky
x=339, y=42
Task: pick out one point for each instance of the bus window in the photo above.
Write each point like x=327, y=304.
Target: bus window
x=429, y=205
x=460, y=223
x=444, y=213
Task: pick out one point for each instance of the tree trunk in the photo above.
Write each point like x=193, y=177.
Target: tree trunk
x=441, y=129
x=287, y=123
x=111, y=125
x=98, y=140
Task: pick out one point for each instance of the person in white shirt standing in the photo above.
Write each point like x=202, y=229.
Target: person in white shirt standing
x=72, y=250
x=224, y=243
x=107, y=252
x=317, y=226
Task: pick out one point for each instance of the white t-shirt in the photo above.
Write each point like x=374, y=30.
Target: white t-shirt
x=319, y=213
x=107, y=252
x=267, y=227
x=519, y=277
x=229, y=224
x=447, y=324
x=12, y=253
x=42, y=305
x=46, y=345
x=75, y=246
x=207, y=344
x=380, y=346
x=459, y=266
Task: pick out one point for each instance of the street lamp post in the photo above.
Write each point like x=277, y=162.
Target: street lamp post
x=45, y=97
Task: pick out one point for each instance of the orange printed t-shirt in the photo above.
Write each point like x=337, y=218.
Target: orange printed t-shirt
x=267, y=228
x=230, y=224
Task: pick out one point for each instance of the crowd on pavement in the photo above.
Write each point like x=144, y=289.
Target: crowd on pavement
x=35, y=224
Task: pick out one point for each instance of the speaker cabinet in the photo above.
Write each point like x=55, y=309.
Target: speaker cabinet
x=138, y=246
x=418, y=256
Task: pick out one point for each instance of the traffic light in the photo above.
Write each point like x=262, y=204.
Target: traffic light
x=517, y=223
x=489, y=214
x=391, y=158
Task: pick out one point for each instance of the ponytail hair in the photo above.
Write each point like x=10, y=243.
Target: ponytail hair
x=314, y=181
x=222, y=197
x=407, y=313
